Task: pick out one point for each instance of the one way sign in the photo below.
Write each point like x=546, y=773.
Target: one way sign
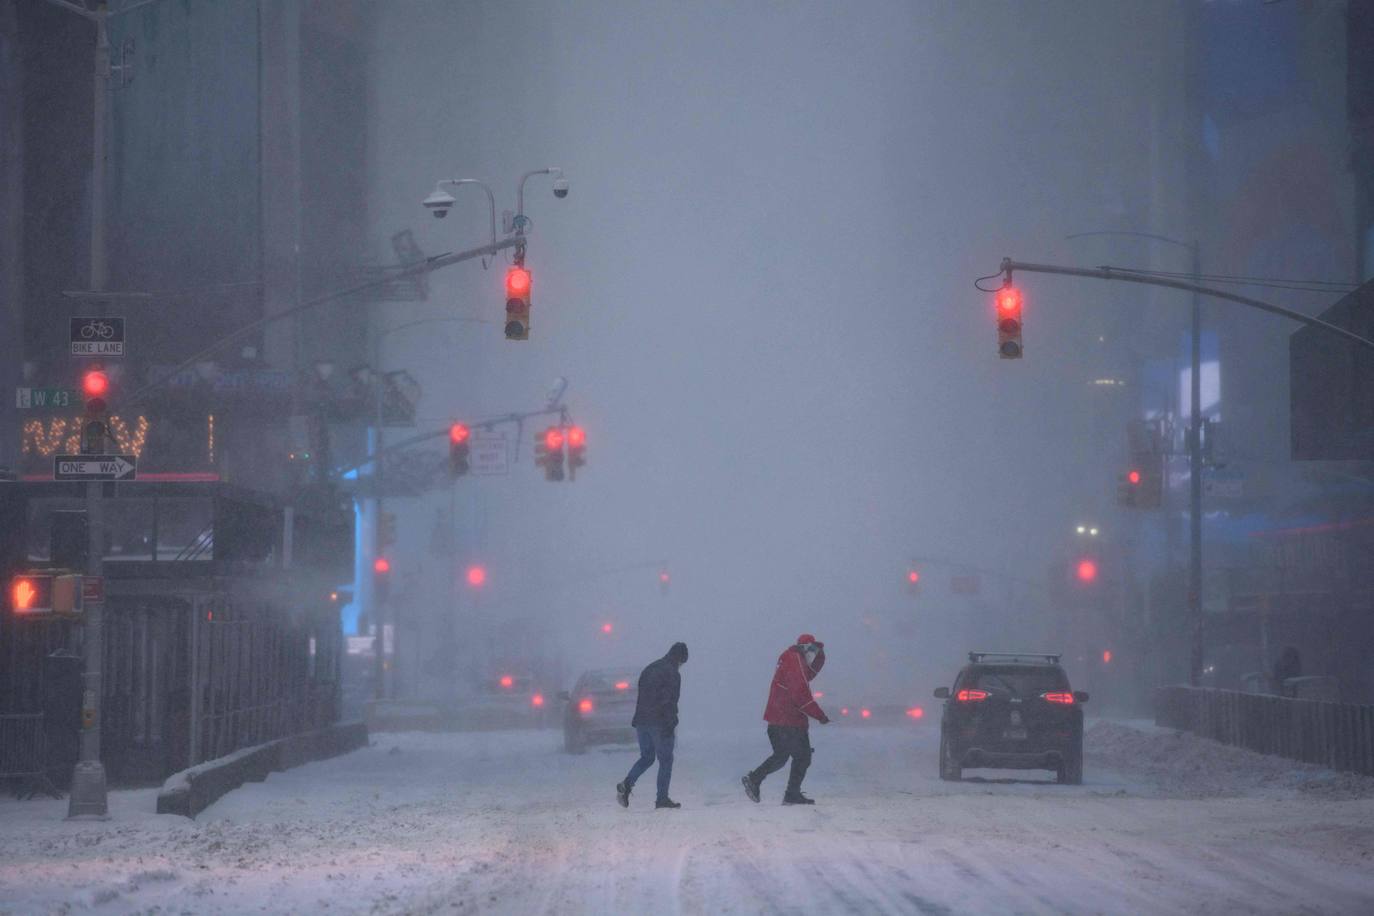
x=94, y=467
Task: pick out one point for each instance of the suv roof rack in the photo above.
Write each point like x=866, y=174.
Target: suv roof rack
x=1031, y=658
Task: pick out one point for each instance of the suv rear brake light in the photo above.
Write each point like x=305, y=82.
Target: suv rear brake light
x=971, y=696
x=1064, y=698
x=622, y=685
x=584, y=705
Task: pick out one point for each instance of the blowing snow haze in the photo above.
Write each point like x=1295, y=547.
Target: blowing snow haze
x=752, y=289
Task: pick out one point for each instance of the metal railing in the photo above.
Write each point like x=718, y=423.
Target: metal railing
x=1335, y=735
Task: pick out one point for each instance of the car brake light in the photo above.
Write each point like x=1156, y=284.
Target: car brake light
x=864, y=713
x=537, y=700
x=971, y=696
x=584, y=706
x=844, y=711
x=916, y=712
x=818, y=694
x=1064, y=698
x=622, y=685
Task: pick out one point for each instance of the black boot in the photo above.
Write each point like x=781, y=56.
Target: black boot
x=751, y=788
x=796, y=798
x=622, y=794
x=666, y=803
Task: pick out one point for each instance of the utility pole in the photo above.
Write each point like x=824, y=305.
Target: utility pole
x=1195, y=483
x=89, y=798
x=380, y=601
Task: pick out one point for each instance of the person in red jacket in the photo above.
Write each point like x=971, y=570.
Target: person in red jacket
x=790, y=707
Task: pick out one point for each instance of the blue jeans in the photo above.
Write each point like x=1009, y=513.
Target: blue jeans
x=653, y=744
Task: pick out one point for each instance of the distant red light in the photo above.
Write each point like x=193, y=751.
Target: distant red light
x=1064, y=699
x=553, y=439
x=606, y=628
x=577, y=437
x=95, y=384
x=458, y=433
x=506, y=681
x=1106, y=656
x=818, y=694
x=517, y=281
x=1134, y=478
x=1086, y=571
x=537, y=700
x=584, y=705
x=864, y=713
x=971, y=696
x=622, y=685
x=381, y=566
x=913, y=577
x=664, y=578
x=477, y=576
x=916, y=712
x=844, y=710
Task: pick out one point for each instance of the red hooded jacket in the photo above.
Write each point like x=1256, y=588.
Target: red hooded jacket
x=789, y=697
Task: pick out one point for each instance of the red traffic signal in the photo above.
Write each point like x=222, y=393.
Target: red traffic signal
x=31, y=594
x=518, y=283
x=664, y=580
x=1008, y=300
x=548, y=452
x=577, y=447
x=459, y=445
x=381, y=566
x=95, y=384
x=553, y=439
x=477, y=576
x=1133, y=478
x=1086, y=570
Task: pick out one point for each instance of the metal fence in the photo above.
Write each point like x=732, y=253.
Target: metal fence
x=1335, y=735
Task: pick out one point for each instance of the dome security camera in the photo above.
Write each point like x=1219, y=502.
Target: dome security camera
x=439, y=203
x=560, y=188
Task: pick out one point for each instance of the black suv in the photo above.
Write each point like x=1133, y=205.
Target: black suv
x=1012, y=711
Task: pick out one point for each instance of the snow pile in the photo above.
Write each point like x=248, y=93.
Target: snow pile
x=1184, y=765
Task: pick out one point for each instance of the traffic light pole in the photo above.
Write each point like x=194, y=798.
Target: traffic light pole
x=1197, y=642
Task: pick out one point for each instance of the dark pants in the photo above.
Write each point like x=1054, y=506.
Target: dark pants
x=788, y=741
x=653, y=744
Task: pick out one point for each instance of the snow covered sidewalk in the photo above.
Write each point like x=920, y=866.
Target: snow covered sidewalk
x=504, y=822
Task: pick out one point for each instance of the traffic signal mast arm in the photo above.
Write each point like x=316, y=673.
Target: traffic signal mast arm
x=1130, y=276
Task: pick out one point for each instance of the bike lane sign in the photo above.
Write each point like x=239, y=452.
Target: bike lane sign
x=97, y=336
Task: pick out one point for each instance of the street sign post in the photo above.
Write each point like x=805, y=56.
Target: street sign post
x=490, y=454
x=94, y=467
x=39, y=398
x=94, y=336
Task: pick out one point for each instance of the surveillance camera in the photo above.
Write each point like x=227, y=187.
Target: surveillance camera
x=439, y=203
x=560, y=188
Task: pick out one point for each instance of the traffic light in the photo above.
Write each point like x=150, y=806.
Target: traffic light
x=477, y=576
x=577, y=448
x=518, y=303
x=95, y=387
x=664, y=581
x=1009, y=322
x=1085, y=571
x=548, y=452
x=386, y=531
x=459, y=443
x=1142, y=487
x=381, y=579
x=913, y=582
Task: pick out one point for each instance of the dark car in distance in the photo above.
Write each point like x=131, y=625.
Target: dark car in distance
x=1012, y=711
x=599, y=708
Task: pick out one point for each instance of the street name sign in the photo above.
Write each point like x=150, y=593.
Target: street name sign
x=38, y=398
x=94, y=467
x=94, y=336
x=489, y=454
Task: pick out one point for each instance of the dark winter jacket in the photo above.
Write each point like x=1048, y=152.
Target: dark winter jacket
x=789, y=696
x=660, y=685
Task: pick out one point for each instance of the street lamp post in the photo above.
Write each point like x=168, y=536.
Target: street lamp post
x=1194, y=437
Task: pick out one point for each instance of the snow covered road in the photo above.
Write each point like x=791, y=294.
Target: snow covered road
x=505, y=822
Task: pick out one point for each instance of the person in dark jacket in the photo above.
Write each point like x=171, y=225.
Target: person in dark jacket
x=655, y=724
x=790, y=708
